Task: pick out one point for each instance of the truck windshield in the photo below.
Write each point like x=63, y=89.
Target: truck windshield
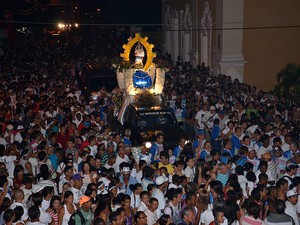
x=155, y=119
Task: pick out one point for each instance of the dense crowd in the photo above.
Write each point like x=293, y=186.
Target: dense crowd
x=62, y=163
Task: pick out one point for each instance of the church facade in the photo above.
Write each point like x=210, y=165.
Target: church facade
x=250, y=40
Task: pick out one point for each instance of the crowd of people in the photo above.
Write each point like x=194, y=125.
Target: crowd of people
x=61, y=162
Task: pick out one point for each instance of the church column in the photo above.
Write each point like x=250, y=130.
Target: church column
x=229, y=57
x=175, y=42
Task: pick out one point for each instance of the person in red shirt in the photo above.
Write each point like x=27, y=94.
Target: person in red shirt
x=63, y=137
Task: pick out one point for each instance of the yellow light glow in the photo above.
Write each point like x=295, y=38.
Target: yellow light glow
x=148, y=144
x=152, y=91
x=60, y=25
x=76, y=25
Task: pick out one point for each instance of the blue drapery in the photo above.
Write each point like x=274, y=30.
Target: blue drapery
x=141, y=80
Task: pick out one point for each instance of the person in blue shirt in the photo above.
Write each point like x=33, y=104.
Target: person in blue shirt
x=227, y=147
x=126, y=179
x=178, y=149
x=126, y=139
x=216, y=134
x=235, y=139
x=198, y=144
x=157, y=147
x=206, y=150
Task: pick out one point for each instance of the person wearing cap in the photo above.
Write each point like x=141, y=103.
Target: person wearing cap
x=272, y=165
x=110, y=147
x=85, y=204
x=290, y=204
x=279, y=158
x=291, y=170
x=161, y=183
x=76, y=188
x=126, y=179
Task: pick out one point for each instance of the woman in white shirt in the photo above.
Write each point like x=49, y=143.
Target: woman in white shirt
x=135, y=195
x=67, y=210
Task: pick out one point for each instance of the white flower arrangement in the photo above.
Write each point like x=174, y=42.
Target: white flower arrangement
x=136, y=152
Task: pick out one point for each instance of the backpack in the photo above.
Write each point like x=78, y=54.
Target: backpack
x=175, y=218
x=72, y=217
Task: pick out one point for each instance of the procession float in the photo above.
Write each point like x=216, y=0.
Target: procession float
x=138, y=76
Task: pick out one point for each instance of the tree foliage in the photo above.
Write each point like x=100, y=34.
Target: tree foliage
x=288, y=82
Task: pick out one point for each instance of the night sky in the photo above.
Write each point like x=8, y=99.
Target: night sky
x=111, y=11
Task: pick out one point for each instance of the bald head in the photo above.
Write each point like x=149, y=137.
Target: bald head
x=19, y=195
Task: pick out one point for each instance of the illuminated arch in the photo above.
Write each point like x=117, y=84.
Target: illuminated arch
x=131, y=42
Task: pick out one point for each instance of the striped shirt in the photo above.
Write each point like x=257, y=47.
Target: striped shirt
x=249, y=220
x=223, y=178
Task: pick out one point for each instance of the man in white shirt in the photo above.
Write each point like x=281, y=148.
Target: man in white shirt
x=9, y=160
x=210, y=116
x=263, y=168
x=207, y=216
x=19, y=196
x=292, y=199
x=199, y=118
x=158, y=193
x=121, y=157
x=77, y=178
x=92, y=145
x=150, y=211
x=266, y=147
x=189, y=171
x=34, y=215
x=144, y=201
x=291, y=170
x=45, y=217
